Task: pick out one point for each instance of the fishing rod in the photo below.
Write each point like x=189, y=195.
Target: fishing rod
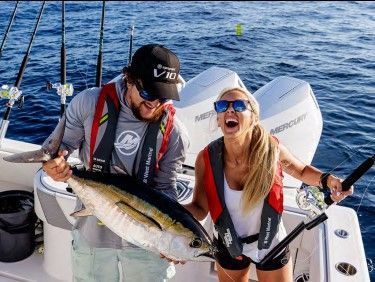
x=63, y=49
x=312, y=199
x=99, y=62
x=13, y=93
x=131, y=44
x=8, y=29
x=63, y=89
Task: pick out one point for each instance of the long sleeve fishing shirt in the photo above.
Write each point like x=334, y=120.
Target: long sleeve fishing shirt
x=79, y=119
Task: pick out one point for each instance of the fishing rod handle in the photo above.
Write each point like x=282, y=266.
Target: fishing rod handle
x=292, y=235
x=353, y=177
x=7, y=112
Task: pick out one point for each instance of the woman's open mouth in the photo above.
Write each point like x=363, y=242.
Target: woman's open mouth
x=231, y=122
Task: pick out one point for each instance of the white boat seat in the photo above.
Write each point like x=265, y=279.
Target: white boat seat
x=53, y=203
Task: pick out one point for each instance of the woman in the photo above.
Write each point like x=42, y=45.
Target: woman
x=239, y=180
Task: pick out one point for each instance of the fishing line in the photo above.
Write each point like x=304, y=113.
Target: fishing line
x=316, y=206
x=364, y=193
x=348, y=158
x=227, y=274
x=316, y=241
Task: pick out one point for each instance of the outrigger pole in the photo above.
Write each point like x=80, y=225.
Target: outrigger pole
x=99, y=63
x=13, y=93
x=318, y=203
x=8, y=28
x=63, y=89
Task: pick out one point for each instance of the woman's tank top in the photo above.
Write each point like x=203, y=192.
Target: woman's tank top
x=249, y=223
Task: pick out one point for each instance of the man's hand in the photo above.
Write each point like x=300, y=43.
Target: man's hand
x=58, y=169
x=170, y=260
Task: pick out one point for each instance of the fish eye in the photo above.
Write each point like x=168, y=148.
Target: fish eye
x=196, y=243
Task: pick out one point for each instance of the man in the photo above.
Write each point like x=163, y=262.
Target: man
x=125, y=127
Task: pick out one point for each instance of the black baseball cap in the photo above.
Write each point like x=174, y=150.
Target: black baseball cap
x=158, y=68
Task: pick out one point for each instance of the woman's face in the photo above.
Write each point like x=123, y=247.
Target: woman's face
x=234, y=123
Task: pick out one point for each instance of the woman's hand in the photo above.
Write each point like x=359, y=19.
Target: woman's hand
x=58, y=168
x=335, y=185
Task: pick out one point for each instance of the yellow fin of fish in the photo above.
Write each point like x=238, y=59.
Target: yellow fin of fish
x=137, y=215
x=81, y=213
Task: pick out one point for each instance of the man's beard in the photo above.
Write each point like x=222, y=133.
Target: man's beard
x=155, y=117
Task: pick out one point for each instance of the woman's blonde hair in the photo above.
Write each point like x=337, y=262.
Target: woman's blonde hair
x=261, y=157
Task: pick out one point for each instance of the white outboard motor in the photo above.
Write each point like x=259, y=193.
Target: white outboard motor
x=288, y=109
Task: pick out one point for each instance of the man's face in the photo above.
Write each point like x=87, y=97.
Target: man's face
x=149, y=111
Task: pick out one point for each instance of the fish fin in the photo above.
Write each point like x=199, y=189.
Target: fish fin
x=81, y=213
x=28, y=157
x=138, y=216
x=48, y=151
x=52, y=144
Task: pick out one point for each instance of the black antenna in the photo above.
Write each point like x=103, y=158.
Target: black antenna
x=99, y=63
x=13, y=93
x=8, y=29
x=131, y=44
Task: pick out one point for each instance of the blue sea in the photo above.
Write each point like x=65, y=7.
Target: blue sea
x=331, y=45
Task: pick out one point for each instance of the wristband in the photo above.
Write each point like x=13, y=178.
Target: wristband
x=324, y=180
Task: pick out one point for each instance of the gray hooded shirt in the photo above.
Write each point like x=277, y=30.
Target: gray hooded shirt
x=129, y=139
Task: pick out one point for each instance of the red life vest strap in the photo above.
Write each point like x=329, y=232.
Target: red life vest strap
x=107, y=91
x=276, y=196
x=210, y=187
x=101, y=150
x=166, y=130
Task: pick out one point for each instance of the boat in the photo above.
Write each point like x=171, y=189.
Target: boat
x=289, y=110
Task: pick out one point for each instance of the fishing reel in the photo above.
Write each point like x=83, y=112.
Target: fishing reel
x=311, y=198
x=63, y=90
x=13, y=94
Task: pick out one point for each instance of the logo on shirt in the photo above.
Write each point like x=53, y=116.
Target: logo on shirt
x=268, y=230
x=128, y=142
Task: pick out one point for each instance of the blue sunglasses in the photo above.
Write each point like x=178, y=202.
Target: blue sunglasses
x=238, y=105
x=147, y=96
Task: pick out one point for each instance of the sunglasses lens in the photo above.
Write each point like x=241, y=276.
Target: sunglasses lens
x=239, y=105
x=221, y=106
x=143, y=93
x=146, y=96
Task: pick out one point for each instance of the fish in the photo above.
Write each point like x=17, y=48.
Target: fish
x=135, y=212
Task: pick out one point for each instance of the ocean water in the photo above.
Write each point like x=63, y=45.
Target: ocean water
x=331, y=45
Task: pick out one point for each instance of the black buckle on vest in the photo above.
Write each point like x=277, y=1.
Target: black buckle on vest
x=250, y=239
